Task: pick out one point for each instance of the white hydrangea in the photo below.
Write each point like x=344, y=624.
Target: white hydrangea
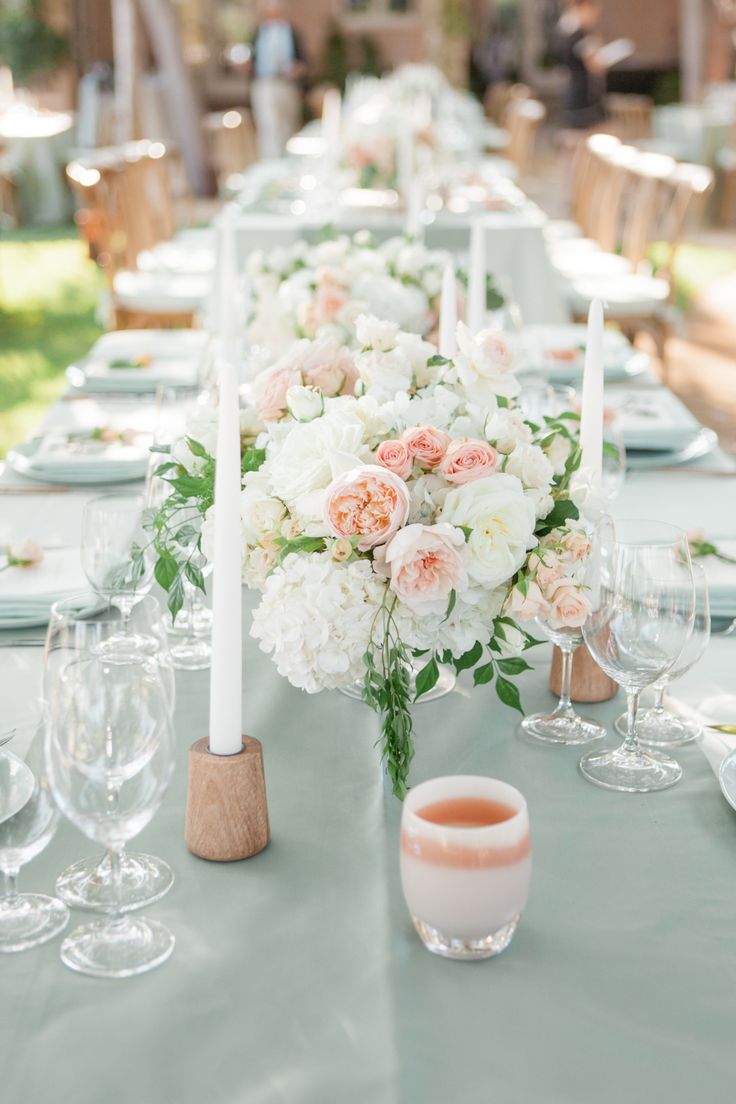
x=315, y=619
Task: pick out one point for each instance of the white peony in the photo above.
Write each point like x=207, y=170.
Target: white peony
x=418, y=353
x=383, y=374
x=502, y=521
x=506, y=429
x=316, y=618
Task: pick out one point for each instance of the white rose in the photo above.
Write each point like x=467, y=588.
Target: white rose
x=484, y=364
x=506, y=429
x=260, y=512
x=512, y=643
x=501, y=519
x=305, y=403
x=383, y=374
x=374, y=333
x=558, y=451
x=529, y=464
x=418, y=353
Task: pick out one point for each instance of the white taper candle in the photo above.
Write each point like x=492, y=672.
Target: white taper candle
x=591, y=415
x=225, y=734
x=476, y=306
x=448, y=313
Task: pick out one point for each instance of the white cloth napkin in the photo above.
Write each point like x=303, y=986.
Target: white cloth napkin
x=721, y=579
x=720, y=709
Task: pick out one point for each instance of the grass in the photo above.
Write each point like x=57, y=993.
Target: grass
x=49, y=291
x=696, y=266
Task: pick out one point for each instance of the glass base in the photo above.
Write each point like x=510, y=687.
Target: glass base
x=30, y=919
x=143, y=880
x=122, y=647
x=117, y=948
x=465, y=949
x=445, y=685
x=660, y=729
x=561, y=728
x=635, y=771
x=191, y=655
x=196, y=622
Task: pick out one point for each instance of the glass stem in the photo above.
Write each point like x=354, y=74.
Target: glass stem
x=564, y=705
x=115, y=856
x=659, y=698
x=631, y=743
x=10, y=886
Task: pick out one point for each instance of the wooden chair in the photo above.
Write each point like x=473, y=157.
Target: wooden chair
x=523, y=119
x=231, y=138
x=629, y=116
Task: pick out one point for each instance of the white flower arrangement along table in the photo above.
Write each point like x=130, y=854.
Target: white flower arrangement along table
x=308, y=291
x=398, y=512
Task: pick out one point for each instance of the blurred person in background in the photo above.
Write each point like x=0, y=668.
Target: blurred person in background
x=277, y=68
x=578, y=46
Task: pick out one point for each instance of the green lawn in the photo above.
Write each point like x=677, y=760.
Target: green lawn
x=48, y=296
x=696, y=266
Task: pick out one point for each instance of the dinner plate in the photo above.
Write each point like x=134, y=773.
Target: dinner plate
x=703, y=443
x=20, y=460
x=727, y=778
x=539, y=344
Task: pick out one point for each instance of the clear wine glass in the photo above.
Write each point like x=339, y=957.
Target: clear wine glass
x=79, y=628
x=116, y=558
x=27, y=919
x=110, y=757
x=643, y=603
x=563, y=725
x=658, y=727
x=613, y=474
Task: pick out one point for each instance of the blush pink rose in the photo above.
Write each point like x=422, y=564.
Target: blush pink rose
x=425, y=564
x=548, y=567
x=576, y=545
x=494, y=349
x=333, y=376
x=272, y=391
x=568, y=606
x=370, y=502
x=329, y=300
x=395, y=456
x=525, y=607
x=468, y=460
x=426, y=444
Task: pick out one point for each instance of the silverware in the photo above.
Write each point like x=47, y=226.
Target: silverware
x=728, y=730
x=7, y=737
x=34, y=490
x=717, y=473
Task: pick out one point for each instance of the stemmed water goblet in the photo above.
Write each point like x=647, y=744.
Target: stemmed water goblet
x=658, y=727
x=110, y=758
x=642, y=607
x=116, y=559
x=80, y=628
x=563, y=725
x=27, y=919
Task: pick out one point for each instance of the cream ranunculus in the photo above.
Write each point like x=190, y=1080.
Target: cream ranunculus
x=501, y=519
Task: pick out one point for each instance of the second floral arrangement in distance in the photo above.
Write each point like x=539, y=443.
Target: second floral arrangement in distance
x=398, y=514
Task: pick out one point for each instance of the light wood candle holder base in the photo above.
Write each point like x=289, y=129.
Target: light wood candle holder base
x=227, y=812
x=589, y=682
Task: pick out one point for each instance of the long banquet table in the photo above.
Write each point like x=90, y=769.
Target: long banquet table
x=297, y=976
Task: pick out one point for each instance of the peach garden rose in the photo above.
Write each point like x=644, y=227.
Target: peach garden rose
x=425, y=563
x=568, y=606
x=369, y=502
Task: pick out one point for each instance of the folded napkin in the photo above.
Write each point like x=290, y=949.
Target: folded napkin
x=28, y=590
x=654, y=420
x=58, y=452
x=720, y=709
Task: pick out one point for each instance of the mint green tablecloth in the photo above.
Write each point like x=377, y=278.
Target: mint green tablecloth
x=297, y=977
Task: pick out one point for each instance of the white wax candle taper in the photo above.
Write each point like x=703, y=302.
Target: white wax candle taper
x=225, y=732
x=331, y=124
x=476, y=305
x=404, y=162
x=448, y=313
x=591, y=414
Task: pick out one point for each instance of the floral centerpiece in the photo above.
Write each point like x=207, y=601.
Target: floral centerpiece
x=409, y=518
x=308, y=291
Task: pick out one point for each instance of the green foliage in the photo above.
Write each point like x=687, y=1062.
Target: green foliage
x=27, y=44
x=339, y=59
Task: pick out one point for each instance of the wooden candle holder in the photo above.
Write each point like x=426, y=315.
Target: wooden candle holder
x=589, y=682
x=227, y=812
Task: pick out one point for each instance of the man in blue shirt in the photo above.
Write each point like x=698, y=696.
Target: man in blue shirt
x=277, y=66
